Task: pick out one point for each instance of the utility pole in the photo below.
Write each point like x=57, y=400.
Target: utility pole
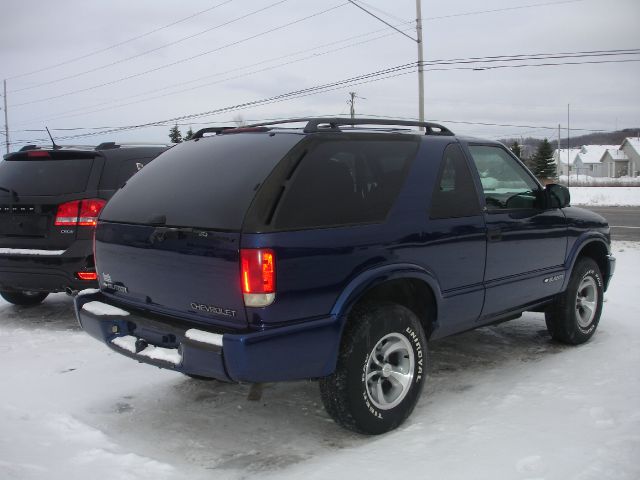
x=420, y=62
x=6, y=116
x=568, y=149
x=559, y=159
x=352, y=101
x=420, y=47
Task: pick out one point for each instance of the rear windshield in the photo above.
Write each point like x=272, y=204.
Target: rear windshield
x=208, y=183
x=335, y=180
x=45, y=177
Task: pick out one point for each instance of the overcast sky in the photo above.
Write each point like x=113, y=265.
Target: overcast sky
x=245, y=52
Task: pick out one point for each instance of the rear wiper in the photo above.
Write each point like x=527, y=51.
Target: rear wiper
x=13, y=193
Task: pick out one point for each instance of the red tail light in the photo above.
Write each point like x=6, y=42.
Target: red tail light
x=67, y=214
x=258, y=276
x=87, y=275
x=89, y=211
x=79, y=212
x=38, y=154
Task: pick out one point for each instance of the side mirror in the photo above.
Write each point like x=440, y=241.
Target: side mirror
x=556, y=196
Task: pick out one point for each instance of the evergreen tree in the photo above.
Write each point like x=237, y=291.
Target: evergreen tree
x=515, y=148
x=189, y=134
x=544, y=165
x=174, y=134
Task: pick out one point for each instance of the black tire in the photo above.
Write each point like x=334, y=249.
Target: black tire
x=359, y=405
x=568, y=319
x=24, y=298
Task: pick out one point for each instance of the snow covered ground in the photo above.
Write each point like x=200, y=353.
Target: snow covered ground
x=605, y=196
x=502, y=402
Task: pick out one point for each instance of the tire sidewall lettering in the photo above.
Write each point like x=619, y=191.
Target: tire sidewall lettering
x=419, y=371
x=596, y=276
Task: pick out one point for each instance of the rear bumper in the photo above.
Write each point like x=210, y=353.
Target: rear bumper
x=295, y=352
x=48, y=273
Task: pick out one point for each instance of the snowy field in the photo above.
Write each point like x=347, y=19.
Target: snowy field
x=502, y=402
x=605, y=196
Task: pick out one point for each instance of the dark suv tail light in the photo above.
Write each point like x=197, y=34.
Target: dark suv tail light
x=258, y=276
x=79, y=212
x=89, y=211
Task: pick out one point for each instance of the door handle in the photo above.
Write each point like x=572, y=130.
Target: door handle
x=494, y=234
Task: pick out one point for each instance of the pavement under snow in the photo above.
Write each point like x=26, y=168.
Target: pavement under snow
x=502, y=402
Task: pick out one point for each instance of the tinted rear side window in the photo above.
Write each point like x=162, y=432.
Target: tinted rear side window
x=208, y=183
x=45, y=177
x=122, y=164
x=345, y=181
x=454, y=194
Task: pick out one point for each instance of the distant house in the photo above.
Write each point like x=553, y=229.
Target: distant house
x=601, y=160
x=590, y=157
x=623, y=161
x=564, y=158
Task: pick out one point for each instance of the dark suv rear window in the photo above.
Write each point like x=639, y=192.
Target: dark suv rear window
x=45, y=177
x=208, y=183
x=336, y=180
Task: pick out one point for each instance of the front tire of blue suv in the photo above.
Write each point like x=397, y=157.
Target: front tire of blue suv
x=24, y=298
x=574, y=316
x=380, y=371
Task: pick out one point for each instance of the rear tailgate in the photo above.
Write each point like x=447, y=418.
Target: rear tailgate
x=178, y=271
x=32, y=188
x=169, y=240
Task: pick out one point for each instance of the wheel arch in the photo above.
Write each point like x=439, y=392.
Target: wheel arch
x=596, y=248
x=407, y=285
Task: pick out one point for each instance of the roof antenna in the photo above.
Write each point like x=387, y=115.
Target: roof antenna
x=53, y=142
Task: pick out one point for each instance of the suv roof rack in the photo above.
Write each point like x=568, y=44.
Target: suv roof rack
x=317, y=124
x=217, y=130
x=321, y=124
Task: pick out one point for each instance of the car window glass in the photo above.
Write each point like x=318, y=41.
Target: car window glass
x=208, y=183
x=505, y=183
x=45, y=177
x=345, y=182
x=454, y=194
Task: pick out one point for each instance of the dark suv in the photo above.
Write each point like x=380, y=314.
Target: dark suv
x=334, y=252
x=50, y=199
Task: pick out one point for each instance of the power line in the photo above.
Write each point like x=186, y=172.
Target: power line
x=183, y=60
x=481, y=61
x=146, y=52
x=119, y=44
x=496, y=10
x=232, y=21
x=387, y=73
x=87, y=110
x=382, y=20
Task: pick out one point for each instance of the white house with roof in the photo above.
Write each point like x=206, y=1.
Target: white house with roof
x=623, y=161
x=601, y=160
x=564, y=158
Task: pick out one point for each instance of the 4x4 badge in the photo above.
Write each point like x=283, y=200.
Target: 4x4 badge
x=555, y=278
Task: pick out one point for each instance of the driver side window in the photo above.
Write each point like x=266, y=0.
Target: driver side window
x=506, y=185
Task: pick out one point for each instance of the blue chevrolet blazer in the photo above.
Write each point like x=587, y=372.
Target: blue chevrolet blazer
x=334, y=251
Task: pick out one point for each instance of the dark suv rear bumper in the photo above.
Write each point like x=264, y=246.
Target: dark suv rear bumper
x=295, y=352
x=48, y=272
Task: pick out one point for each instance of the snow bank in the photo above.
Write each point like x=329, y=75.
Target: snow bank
x=587, y=181
x=605, y=196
